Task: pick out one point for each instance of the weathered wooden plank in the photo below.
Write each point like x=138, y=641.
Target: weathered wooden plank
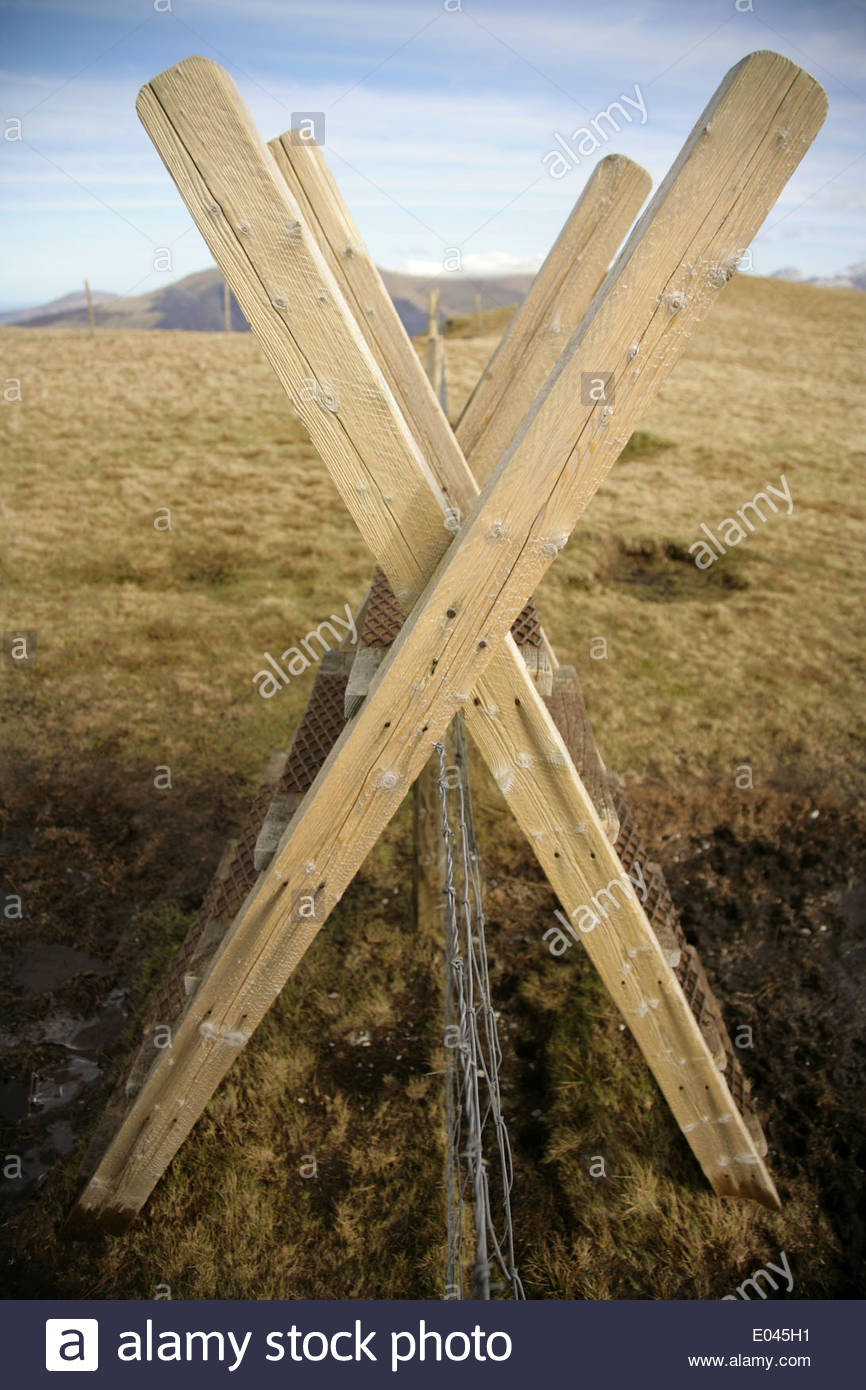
x=314, y=193
x=556, y=303
x=713, y=206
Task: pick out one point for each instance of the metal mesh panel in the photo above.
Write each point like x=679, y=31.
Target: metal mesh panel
x=659, y=906
x=526, y=629
x=665, y=921
x=321, y=725
x=383, y=618
x=568, y=712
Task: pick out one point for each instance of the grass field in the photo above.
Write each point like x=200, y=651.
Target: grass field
x=147, y=642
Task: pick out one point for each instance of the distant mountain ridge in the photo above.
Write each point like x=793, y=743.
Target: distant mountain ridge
x=853, y=277
x=68, y=303
x=195, y=303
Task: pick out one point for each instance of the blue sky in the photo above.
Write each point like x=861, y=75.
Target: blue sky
x=438, y=115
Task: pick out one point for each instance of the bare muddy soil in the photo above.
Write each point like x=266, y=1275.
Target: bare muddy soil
x=773, y=892
x=101, y=871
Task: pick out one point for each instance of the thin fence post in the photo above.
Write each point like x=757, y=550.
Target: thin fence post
x=90, y=318
x=429, y=844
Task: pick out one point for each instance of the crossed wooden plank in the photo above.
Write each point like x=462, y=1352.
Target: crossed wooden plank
x=554, y=307
x=454, y=651
x=556, y=303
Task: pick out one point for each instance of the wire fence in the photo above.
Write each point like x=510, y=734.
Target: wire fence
x=478, y=1169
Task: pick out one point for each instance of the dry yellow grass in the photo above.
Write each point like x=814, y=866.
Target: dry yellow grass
x=768, y=673
x=147, y=644
x=111, y=429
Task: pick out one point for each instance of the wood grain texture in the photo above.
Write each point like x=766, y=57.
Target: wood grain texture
x=312, y=189
x=734, y=166
x=555, y=305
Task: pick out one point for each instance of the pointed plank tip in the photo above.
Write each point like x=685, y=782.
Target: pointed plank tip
x=194, y=63
x=86, y=1223
x=618, y=167
x=192, y=71
x=766, y=62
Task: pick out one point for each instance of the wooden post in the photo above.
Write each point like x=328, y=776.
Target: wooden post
x=429, y=844
x=90, y=317
x=429, y=852
x=227, y=307
x=558, y=298
x=432, y=322
x=454, y=651
x=435, y=349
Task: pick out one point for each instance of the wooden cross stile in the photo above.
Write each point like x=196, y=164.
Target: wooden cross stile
x=402, y=482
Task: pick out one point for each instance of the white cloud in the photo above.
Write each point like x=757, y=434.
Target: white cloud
x=482, y=263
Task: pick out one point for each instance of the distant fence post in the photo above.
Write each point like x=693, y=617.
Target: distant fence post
x=435, y=348
x=90, y=318
x=227, y=307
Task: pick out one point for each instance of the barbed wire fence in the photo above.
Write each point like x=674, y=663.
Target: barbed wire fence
x=478, y=1167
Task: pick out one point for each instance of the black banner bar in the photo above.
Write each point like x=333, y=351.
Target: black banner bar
x=417, y=1344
